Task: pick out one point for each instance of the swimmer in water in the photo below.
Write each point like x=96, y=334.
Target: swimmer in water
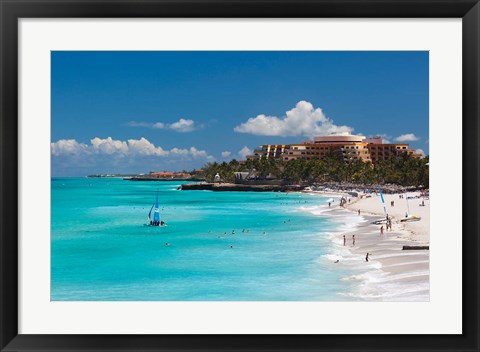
x=336, y=261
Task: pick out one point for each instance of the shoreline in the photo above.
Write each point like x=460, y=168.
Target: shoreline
x=233, y=187
x=391, y=274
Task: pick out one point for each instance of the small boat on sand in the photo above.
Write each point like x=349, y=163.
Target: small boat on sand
x=411, y=218
x=408, y=217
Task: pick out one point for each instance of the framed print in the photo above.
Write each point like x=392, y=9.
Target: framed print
x=239, y=175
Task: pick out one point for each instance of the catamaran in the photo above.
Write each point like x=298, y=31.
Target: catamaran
x=408, y=217
x=156, y=215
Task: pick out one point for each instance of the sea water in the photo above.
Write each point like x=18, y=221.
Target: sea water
x=217, y=246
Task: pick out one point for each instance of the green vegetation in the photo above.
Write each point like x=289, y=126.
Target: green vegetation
x=404, y=170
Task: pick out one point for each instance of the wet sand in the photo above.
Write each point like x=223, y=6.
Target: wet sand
x=391, y=274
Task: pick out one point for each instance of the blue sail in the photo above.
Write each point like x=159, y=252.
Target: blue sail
x=383, y=201
x=156, y=211
x=150, y=212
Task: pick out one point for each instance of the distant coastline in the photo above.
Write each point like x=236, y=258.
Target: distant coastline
x=136, y=178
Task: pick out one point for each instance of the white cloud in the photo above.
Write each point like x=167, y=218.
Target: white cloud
x=198, y=153
x=182, y=125
x=192, y=151
x=226, y=154
x=109, y=146
x=408, y=137
x=139, y=124
x=131, y=147
x=420, y=151
x=385, y=137
x=302, y=120
x=143, y=147
x=68, y=147
x=244, y=152
x=178, y=151
x=158, y=125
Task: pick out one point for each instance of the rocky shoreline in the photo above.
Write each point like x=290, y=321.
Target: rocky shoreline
x=228, y=187
x=350, y=188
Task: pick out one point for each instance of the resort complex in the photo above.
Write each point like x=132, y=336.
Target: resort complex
x=345, y=146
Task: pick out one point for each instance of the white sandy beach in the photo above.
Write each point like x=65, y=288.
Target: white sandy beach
x=418, y=231
x=391, y=274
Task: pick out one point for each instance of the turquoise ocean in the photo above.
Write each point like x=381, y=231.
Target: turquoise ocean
x=102, y=251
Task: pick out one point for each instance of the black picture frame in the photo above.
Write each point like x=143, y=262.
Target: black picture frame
x=11, y=11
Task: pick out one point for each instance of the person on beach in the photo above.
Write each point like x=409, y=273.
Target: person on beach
x=344, y=240
x=358, y=211
x=366, y=258
x=381, y=231
x=353, y=240
x=328, y=203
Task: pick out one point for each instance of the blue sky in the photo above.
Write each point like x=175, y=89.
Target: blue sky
x=133, y=112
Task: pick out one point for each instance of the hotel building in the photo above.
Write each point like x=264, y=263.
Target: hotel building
x=345, y=146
